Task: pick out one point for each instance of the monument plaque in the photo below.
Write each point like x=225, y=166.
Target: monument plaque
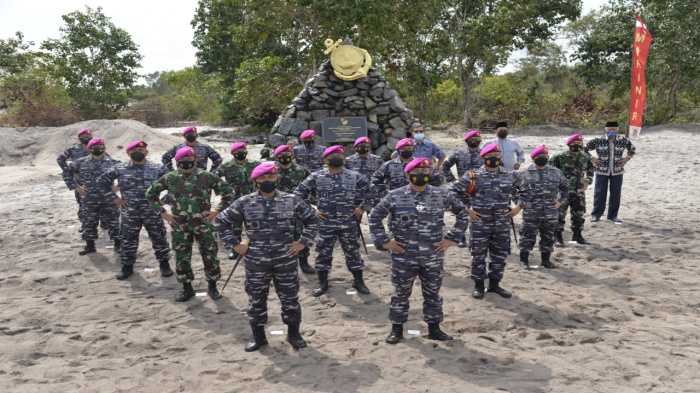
x=336, y=130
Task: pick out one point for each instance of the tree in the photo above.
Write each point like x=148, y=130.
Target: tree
x=15, y=56
x=96, y=60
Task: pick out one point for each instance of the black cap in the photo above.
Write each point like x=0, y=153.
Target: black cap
x=612, y=124
x=502, y=124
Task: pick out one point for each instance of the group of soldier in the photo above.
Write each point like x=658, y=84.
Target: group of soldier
x=271, y=213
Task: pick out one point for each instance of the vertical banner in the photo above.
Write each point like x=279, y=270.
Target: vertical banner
x=638, y=86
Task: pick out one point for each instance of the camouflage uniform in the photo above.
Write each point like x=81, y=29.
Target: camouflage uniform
x=133, y=180
x=388, y=177
x=417, y=222
x=290, y=177
x=310, y=159
x=202, y=153
x=337, y=196
x=489, y=235
x=539, y=191
x=238, y=176
x=64, y=159
x=96, y=208
x=576, y=167
x=465, y=159
x=270, y=227
x=191, y=194
x=364, y=165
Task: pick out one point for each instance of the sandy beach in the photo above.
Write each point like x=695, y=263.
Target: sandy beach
x=619, y=315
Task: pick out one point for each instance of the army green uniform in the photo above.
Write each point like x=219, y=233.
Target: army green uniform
x=238, y=176
x=576, y=167
x=291, y=177
x=191, y=205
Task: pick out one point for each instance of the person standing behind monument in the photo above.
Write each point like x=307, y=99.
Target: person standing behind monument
x=512, y=155
x=390, y=175
x=308, y=154
x=465, y=159
x=609, y=169
x=203, y=152
x=363, y=162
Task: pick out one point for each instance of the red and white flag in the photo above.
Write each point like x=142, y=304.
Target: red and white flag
x=638, y=87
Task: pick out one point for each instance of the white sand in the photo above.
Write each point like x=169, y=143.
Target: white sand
x=620, y=315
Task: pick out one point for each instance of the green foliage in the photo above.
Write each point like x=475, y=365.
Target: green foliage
x=96, y=60
x=15, y=56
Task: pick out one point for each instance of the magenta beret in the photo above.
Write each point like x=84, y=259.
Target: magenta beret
x=417, y=163
x=265, y=168
x=490, y=148
x=189, y=130
x=333, y=149
x=95, y=141
x=403, y=143
x=541, y=149
x=235, y=146
x=281, y=149
x=184, y=152
x=135, y=144
x=574, y=138
x=471, y=134
x=84, y=131
x=361, y=140
x=307, y=134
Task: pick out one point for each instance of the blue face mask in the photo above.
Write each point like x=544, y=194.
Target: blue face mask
x=612, y=134
x=419, y=136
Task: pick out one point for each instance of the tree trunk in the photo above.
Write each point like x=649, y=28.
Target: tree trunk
x=465, y=76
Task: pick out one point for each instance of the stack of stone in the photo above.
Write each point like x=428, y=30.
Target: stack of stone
x=325, y=95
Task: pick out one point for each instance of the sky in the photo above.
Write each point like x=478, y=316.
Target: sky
x=161, y=28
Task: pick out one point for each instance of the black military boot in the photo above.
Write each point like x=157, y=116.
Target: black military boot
x=478, y=292
x=359, y=283
x=294, y=337
x=546, y=262
x=165, y=270
x=396, y=334
x=496, y=288
x=435, y=333
x=578, y=237
x=186, y=294
x=89, y=248
x=259, y=340
x=304, y=264
x=560, y=238
x=525, y=258
x=117, y=245
x=322, y=284
x=213, y=291
x=126, y=272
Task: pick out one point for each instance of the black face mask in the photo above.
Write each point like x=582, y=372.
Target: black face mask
x=286, y=160
x=191, y=137
x=502, y=134
x=336, y=162
x=309, y=144
x=541, y=160
x=267, y=186
x=137, y=156
x=97, y=151
x=406, y=153
x=492, y=162
x=419, y=179
x=240, y=156
x=85, y=140
x=362, y=150
x=186, y=165
x=473, y=144
x=575, y=148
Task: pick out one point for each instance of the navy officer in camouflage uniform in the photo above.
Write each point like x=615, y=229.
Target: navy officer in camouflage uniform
x=341, y=200
x=390, y=175
x=418, y=246
x=133, y=179
x=83, y=176
x=269, y=217
x=203, y=152
x=542, y=190
x=73, y=153
x=289, y=176
x=363, y=161
x=464, y=159
x=487, y=193
x=308, y=154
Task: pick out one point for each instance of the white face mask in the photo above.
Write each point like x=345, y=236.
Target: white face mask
x=419, y=136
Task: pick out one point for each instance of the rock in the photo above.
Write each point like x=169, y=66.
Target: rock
x=397, y=104
x=348, y=92
x=330, y=92
x=372, y=127
x=372, y=116
x=370, y=104
x=320, y=114
x=362, y=85
x=315, y=125
x=389, y=94
x=303, y=115
x=382, y=109
x=391, y=142
x=377, y=93
x=397, y=123
x=382, y=151
x=320, y=84
x=399, y=133
x=318, y=105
